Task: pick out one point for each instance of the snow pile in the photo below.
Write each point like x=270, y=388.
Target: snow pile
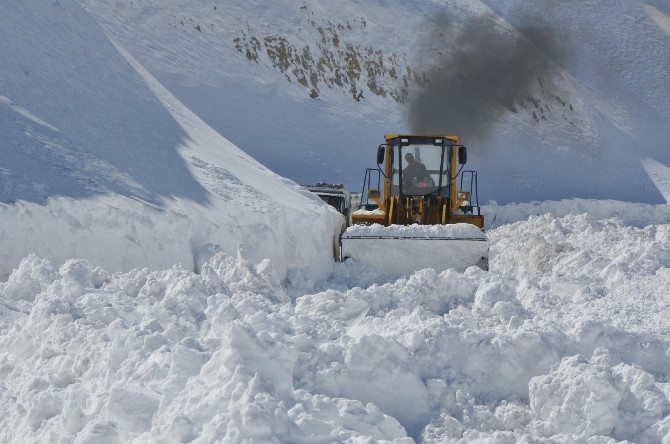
x=102, y=163
x=630, y=213
x=553, y=342
x=165, y=355
x=593, y=397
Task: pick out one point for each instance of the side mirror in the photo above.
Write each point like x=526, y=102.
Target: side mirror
x=380, y=154
x=462, y=155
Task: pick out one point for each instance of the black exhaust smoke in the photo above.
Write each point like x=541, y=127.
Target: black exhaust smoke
x=483, y=71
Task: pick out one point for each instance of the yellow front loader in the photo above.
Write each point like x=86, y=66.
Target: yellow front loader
x=414, y=215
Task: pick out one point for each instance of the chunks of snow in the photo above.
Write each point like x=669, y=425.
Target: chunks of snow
x=232, y=354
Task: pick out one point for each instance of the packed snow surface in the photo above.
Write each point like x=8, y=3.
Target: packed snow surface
x=565, y=339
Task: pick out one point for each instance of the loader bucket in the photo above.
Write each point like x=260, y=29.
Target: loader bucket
x=399, y=249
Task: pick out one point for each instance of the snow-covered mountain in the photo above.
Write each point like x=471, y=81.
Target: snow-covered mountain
x=555, y=100
x=160, y=284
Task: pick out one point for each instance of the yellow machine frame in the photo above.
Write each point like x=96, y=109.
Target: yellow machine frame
x=410, y=209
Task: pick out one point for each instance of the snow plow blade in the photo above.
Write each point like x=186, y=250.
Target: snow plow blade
x=399, y=249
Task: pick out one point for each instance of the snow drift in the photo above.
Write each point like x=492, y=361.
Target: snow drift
x=102, y=163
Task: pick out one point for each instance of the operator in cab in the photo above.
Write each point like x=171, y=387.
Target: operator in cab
x=414, y=173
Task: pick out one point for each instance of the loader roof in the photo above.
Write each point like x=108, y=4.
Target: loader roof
x=427, y=136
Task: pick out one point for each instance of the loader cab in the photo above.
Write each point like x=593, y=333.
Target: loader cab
x=420, y=166
x=426, y=195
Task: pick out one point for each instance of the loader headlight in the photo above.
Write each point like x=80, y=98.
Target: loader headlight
x=463, y=195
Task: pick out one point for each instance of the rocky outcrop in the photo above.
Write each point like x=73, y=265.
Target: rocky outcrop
x=335, y=61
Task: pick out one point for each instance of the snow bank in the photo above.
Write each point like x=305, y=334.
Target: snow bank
x=630, y=213
x=118, y=233
x=551, y=344
x=103, y=163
